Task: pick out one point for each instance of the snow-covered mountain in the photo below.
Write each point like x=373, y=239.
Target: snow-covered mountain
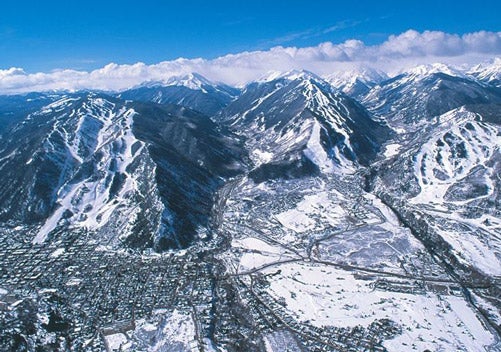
x=443, y=163
x=449, y=176
x=408, y=102
x=88, y=159
x=489, y=73
x=297, y=123
x=95, y=162
x=356, y=83
x=192, y=90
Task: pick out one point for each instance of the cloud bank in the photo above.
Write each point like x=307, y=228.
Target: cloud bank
x=397, y=53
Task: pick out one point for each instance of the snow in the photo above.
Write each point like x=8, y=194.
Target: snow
x=252, y=243
x=315, y=211
x=58, y=252
x=329, y=107
x=438, y=155
x=47, y=290
x=296, y=220
x=58, y=105
x=190, y=80
x=460, y=146
x=487, y=72
x=251, y=260
x=261, y=157
x=257, y=253
x=87, y=199
x=315, y=152
x=346, y=79
x=390, y=217
x=3, y=291
x=116, y=341
x=49, y=225
x=267, y=345
x=164, y=331
x=180, y=327
x=11, y=154
x=391, y=150
x=288, y=75
x=471, y=250
x=73, y=282
x=300, y=130
x=324, y=296
x=422, y=71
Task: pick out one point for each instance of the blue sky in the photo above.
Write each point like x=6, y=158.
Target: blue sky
x=84, y=35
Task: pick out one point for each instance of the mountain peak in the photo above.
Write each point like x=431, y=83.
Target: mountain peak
x=356, y=82
x=489, y=72
x=494, y=64
x=362, y=74
x=423, y=71
x=190, y=80
x=292, y=75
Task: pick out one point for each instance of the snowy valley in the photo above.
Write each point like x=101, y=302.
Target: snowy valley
x=351, y=212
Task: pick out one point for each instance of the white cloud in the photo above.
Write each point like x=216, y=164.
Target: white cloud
x=396, y=53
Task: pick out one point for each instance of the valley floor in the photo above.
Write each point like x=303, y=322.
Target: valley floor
x=315, y=264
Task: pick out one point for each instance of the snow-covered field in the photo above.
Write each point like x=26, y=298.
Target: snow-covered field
x=164, y=331
x=331, y=287
x=327, y=296
x=314, y=212
x=256, y=253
